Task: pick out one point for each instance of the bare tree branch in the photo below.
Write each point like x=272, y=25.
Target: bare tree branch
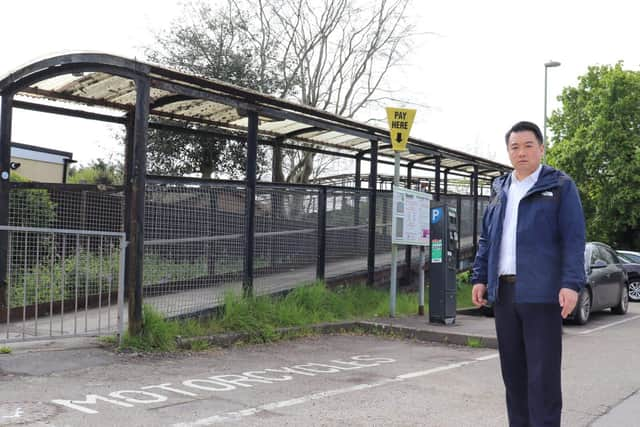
x=334, y=55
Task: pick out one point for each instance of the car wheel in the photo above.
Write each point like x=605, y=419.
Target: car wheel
x=623, y=305
x=634, y=290
x=583, y=308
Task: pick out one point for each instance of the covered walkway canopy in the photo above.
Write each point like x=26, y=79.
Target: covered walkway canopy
x=101, y=80
x=137, y=94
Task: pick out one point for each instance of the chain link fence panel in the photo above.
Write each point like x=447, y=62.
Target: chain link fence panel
x=194, y=234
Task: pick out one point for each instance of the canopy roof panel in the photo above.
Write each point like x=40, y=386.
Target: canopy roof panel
x=89, y=79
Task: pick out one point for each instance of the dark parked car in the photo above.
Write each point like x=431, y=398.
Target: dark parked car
x=606, y=285
x=631, y=264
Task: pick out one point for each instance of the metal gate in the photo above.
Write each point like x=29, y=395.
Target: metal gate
x=62, y=283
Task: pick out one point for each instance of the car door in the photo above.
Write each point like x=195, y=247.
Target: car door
x=596, y=277
x=614, y=277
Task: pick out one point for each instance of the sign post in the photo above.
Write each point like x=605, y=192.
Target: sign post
x=400, y=121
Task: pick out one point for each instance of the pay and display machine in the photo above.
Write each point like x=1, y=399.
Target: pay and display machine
x=443, y=264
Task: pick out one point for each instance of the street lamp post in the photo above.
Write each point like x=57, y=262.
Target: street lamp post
x=547, y=65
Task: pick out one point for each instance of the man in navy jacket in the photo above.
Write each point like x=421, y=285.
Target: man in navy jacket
x=530, y=265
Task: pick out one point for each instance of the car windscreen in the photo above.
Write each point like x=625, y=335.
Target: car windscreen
x=629, y=258
x=624, y=259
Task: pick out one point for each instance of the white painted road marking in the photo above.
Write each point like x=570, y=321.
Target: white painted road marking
x=17, y=414
x=236, y=415
x=588, y=331
x=222, y=383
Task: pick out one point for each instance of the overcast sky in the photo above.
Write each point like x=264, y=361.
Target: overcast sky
x=481, y=71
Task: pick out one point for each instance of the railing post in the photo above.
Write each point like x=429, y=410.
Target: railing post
x=373, y=179
x=121, y=278
x=250, y=203
x=407, y=250
x=5, y=162
x=475, y=208
x=137, y=169
x=446, y=182
x=322, y=232
x=459, y=228
x=437, y=184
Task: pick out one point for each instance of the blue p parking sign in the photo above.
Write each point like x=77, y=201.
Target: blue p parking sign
x=436, y=214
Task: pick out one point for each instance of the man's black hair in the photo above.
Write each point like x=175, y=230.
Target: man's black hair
x=522, y=127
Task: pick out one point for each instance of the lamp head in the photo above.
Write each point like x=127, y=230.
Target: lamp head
x=551, y=64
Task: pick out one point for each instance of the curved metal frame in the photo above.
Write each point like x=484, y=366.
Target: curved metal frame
x=184, y=87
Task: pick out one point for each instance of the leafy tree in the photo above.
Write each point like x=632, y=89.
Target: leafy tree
x=333, y=55
x=597, y=141
x=99, y=171
x=190, y=153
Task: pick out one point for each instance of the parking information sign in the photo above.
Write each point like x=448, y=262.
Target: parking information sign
x=410, y=224
x=436, y=251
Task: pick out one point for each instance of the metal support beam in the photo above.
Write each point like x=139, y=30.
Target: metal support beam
x=322, y=232
x=459, y=228
x=68, y=112
x=129, y=268
x=407, y=251
x=472, y=183
x=446, y=181
x=250, y=203
x=356, y=200
x=475, y=208
x=136, y=184
x=373, y=179
x=5, y=171
x=437, y=172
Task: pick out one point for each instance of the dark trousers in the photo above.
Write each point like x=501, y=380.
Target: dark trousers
x=530, y=346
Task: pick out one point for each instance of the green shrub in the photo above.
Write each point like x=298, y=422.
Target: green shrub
x=32, y=207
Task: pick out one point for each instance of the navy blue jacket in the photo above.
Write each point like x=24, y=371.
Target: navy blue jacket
x=550, y=239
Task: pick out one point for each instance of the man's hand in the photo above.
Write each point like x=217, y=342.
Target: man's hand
x=568, y=299
x=477, y=294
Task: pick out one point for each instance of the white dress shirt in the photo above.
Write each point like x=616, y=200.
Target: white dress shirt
x=517, y=190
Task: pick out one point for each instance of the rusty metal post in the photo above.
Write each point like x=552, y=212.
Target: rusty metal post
x=6, y=108
x=137, y=168
x=250, y=203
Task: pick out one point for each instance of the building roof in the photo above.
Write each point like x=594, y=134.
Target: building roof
x=33, y=152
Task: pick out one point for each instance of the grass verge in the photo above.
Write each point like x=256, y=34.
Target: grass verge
x=260, y=318
x=474, y=342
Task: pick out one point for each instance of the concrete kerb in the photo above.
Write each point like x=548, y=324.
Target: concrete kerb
x=366, y=327
x=429, y=335
x=233, y=338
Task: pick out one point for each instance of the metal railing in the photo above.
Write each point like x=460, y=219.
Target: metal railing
x=195, y=237
x=61, y=283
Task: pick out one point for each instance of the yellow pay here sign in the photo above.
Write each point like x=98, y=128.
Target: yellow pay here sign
x=400, y=121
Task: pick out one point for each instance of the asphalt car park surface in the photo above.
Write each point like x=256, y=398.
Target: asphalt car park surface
x=331, y=380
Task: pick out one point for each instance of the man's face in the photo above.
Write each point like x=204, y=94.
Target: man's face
x=525, y=152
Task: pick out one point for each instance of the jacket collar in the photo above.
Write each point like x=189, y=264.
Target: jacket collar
x=548, y=178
